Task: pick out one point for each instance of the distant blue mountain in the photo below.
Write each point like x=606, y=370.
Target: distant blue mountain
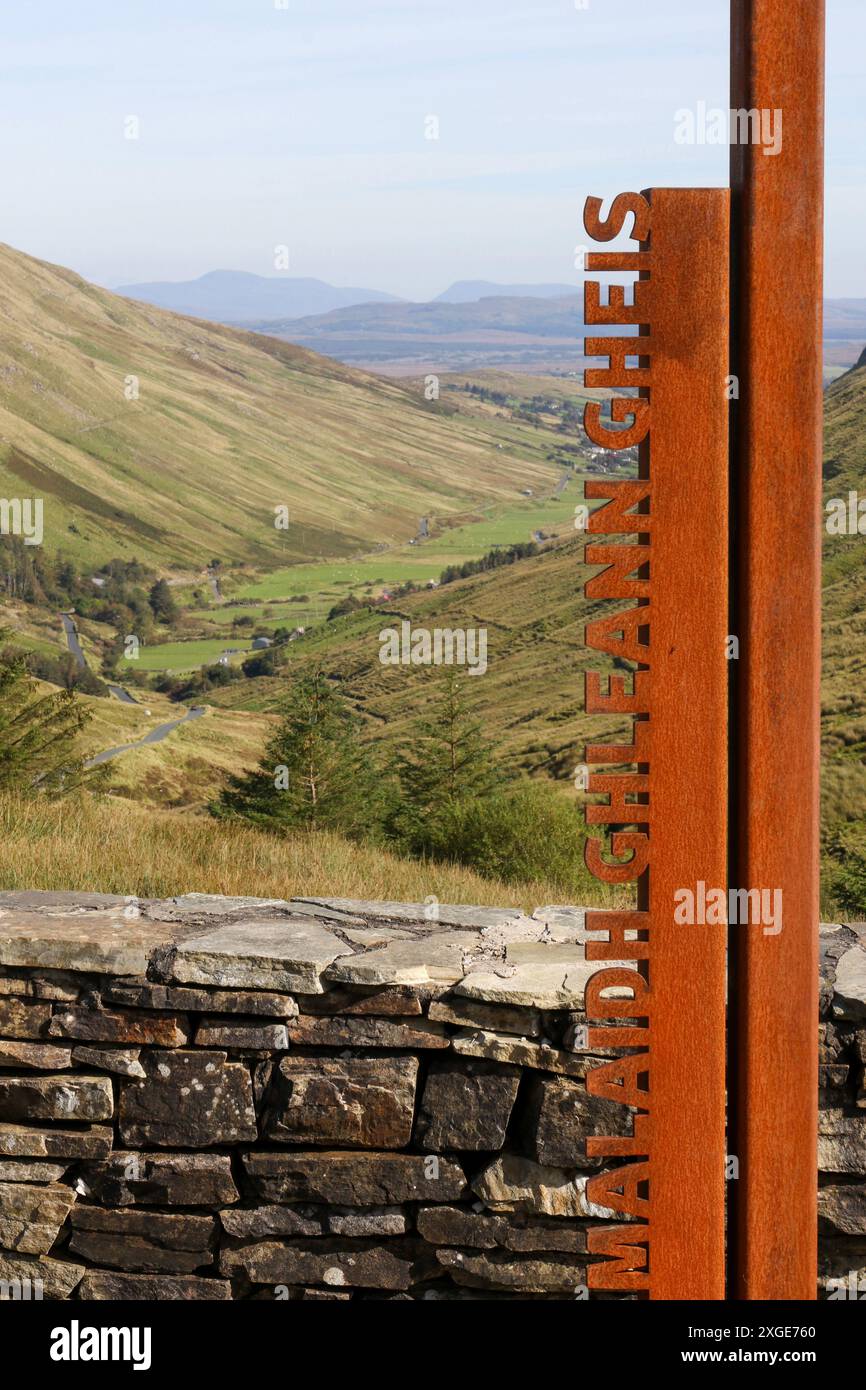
x=235, y=296
x=470, y=291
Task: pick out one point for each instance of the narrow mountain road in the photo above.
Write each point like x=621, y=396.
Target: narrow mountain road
x=155, y=736
x=74, y=646
x=72, y=641
x=122, y=695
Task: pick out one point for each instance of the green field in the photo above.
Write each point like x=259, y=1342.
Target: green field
x=419, y=563
x=186, y=656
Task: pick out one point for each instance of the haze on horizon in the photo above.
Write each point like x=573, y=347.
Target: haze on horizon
x=307, y=127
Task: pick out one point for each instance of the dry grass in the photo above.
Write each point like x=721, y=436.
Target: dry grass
x=103, y=844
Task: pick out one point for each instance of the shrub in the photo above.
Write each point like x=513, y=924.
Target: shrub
x=527, y=831
x=845, y=863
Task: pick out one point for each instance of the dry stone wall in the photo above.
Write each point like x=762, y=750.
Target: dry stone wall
x=216, y=1098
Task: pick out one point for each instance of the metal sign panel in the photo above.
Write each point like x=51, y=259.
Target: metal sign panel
x=665, y=789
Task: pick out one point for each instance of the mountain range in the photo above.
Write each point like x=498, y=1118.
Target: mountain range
x=472, y=324
x=235, y=296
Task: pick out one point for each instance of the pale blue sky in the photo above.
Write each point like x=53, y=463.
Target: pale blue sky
x=305, y=126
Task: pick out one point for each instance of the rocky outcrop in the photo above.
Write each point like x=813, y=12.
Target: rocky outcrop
x=213, y=1098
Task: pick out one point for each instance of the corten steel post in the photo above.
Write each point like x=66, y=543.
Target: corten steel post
x=687, y=456
x=777, y=67
x=680, y=701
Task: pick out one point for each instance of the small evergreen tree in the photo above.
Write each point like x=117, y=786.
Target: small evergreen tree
x=446, y=762
x=315, y=774
x=39, y=734
x=162, y=602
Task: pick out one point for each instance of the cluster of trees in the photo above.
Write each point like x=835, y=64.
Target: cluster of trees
x=193, y=687
x=128, y=596
x=440, y=794
x=484, y=393
x=493, y=560
x=64, y=671
x=55, y=581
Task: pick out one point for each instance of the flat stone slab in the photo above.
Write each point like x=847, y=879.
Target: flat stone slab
x=466, y=1106
x=169, y=954
x=360, y=1102
x=323, y=1031
x=99, y=1285
x=71, y=1098
x=42, y=1277
x=513, y=1183
x=324, y=1262
x=842, y=1208
x=28, y=1141
x=537, y=981
x=841, y=1142
x=129, y=1178
x=31, y=1170
x=187, y=1100
x=285, y=957
x=432, y=957
x=354, y=1179
x=62, y=903
x=262, y=1223
x=140, y=1026
x=203, y=906
x=240, y=1034
x=489, y=1231
x=184, y=999
x=522, y=1052
x=849, y=1000
x=443, y=914
x=99, y=942
x=143, y=1242
x=33, y=1056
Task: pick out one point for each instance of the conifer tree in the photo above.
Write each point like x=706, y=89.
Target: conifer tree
x=39, y=734
x=446, y=762
x=315, y=773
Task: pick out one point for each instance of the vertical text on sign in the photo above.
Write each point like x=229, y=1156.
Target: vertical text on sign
x=623, y=1021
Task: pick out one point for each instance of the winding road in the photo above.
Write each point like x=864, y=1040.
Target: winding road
x=155, y=736
x=74, y=646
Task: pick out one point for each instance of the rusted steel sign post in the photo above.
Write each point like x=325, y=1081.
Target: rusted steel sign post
x=662, y=543
x=674, y=632
x=777, y=65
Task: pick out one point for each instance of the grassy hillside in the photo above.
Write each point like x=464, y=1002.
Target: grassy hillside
x=531, y=696
x=173, y=440
x=844, y=683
